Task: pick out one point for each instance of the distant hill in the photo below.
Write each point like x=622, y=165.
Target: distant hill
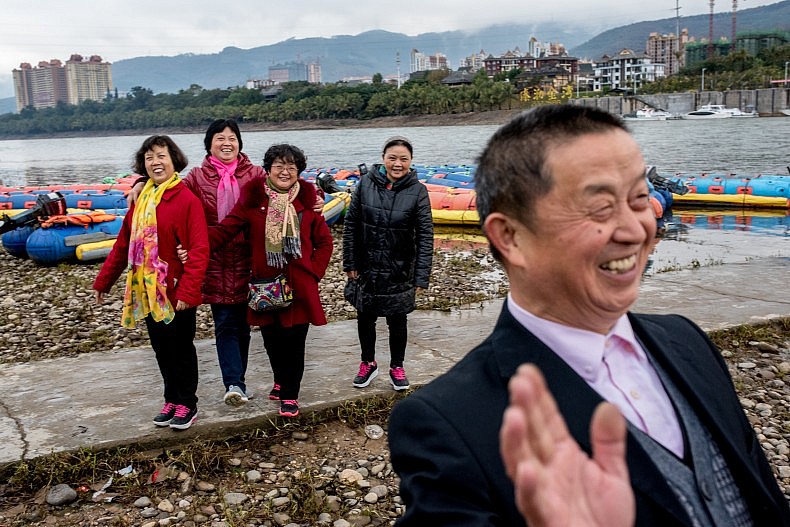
x=8, y=105
x=340, y=56
x=375, y=51
x=634, y=36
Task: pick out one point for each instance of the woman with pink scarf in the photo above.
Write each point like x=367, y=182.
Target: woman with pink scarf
x=217, y=183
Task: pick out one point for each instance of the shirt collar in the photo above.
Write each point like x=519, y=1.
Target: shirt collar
x=581, y=349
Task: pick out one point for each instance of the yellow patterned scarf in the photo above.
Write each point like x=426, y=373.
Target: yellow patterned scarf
x=282, y=226
x=146, y=287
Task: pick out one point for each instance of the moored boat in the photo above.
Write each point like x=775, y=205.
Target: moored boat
x=648, y=114
x=708, y=111
x=722, y=189
x=335, y=205
x=58, y=238
x=719, y=111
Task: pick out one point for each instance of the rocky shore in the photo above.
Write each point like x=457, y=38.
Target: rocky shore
x=333, y=472
x=49, y=312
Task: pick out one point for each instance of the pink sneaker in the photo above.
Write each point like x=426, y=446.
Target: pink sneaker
x=367, y=372
x=398, y=378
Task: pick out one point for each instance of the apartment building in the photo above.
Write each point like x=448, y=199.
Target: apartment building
x=668, y=49
x=423, y=62
x=51, y=82
x=88, y=79
x=474, y=62
x=508, y=61
x=43, y=86
x=627, y=71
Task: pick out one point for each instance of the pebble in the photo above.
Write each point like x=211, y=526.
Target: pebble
x=253, y=476
x=235, y=498
x=61, y=494
x=74, y=324
x=347, y=486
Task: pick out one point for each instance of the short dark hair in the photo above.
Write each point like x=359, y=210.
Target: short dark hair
x=511, y=174
x=287, y=154
x=398, y=140
x=216, y=127
x=178, y=157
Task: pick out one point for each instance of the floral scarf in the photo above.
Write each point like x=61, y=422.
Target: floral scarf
x=282, y=226
x=146, y=286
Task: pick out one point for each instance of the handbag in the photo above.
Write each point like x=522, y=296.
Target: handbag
x=268, y=294
x=354, y=293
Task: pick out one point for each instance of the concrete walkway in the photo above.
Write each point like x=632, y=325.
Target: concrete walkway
x=105, y=399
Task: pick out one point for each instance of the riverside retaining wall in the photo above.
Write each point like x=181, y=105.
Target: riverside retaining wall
x=767, y=102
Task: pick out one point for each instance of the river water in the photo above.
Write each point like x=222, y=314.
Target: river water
x=742, y=146
x=746, y=146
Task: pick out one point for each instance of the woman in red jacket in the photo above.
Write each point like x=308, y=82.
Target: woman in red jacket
x=287, y=236
x=160, y=289
x=217, y=183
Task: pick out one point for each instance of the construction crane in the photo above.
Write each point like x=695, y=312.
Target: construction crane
x=734, y=11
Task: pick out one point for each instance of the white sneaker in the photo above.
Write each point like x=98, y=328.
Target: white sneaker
x=235, y=396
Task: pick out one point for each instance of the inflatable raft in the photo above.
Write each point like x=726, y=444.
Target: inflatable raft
x=732, y=190
x=335, y=206
x=69, y=238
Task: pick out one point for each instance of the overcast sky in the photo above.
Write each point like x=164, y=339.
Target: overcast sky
x=35, y=30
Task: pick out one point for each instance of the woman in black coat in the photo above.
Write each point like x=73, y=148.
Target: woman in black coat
x=387, y=255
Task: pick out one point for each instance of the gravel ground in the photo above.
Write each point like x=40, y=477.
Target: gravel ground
x=335, y=472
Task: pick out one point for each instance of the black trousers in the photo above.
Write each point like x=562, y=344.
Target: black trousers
x=175, y=351
x=366, y=329
x=285, y=348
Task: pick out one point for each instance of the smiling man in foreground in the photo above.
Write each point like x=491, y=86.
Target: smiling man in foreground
x=563, y=201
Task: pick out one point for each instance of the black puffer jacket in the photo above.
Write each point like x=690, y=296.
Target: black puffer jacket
x=388, y=239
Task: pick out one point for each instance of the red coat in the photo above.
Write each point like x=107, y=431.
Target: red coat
x=179, y=218
x=228, y=270
x=303, y=274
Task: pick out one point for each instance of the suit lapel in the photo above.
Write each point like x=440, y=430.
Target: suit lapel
x=699, y=374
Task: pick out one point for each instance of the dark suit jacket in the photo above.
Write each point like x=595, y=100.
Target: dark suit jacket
x=444, y=438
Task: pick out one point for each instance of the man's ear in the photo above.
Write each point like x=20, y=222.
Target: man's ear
x=507, y=235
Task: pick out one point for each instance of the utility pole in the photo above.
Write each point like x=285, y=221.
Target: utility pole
x=734, y=10
x=397, y=61
x=710, y=31
x=678, y=51
x=677, y=18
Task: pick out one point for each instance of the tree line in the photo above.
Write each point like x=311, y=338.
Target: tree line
x=196, y=107
x=736, y=71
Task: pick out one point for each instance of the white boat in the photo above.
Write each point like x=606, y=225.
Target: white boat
x=709, y=111
x=786, y=112
x=719, y=111
x=749, y=112
x=648, y=114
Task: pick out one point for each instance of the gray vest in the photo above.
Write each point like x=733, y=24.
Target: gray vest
x=706, y=489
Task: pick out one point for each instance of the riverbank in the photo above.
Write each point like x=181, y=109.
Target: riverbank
x=49, y=312
x=494, y=117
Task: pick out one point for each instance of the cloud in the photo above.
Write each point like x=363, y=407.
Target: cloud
x=39, y=30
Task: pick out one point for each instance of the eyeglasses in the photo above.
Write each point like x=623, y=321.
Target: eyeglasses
x=279, y=167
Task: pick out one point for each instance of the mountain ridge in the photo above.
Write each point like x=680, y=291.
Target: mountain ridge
x=374, y=51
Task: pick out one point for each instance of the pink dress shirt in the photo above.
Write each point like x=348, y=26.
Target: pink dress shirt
x=615, y=366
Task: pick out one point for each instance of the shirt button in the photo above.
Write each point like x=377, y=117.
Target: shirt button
x=635, y=394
